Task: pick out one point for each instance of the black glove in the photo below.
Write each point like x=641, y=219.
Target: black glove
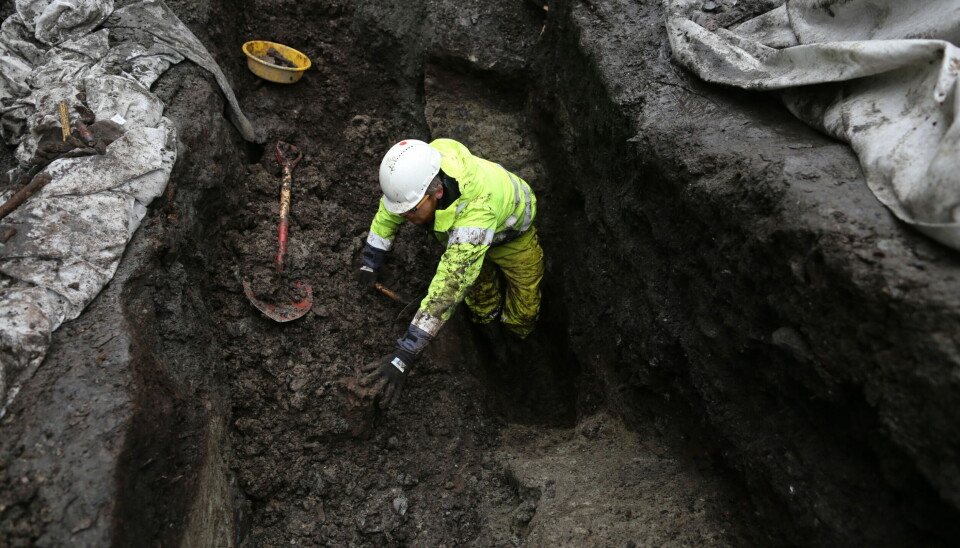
x=366, y=277
x=387, y=375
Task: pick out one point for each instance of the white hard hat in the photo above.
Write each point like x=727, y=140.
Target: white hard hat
x=406, y=172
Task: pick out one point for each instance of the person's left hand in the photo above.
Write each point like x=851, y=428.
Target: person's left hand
x=384, y=377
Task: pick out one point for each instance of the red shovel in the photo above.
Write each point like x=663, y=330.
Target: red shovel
x=287, y=156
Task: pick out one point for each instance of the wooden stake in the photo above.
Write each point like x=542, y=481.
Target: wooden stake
x=64, y=121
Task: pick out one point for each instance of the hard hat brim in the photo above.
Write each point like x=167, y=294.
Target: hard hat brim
x=398, y=208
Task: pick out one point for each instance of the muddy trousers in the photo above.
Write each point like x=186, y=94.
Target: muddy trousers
x=520, y=263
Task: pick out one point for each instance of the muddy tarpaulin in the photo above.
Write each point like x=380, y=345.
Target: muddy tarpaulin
x=70, y=237
x=880, y=75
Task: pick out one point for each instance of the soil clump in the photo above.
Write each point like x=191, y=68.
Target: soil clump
x=274, y=57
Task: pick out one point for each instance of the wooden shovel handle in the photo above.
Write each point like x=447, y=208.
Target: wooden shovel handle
x=285, y=188
x=380, y=287
x=21, y=195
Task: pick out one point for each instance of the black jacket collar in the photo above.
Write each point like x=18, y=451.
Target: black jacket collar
x=451, y=191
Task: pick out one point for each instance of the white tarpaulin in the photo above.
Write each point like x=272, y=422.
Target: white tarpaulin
x=880, y=75
x=70, y=237
x=57, y=21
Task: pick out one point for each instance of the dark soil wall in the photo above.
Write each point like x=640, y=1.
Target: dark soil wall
x=748, y=272
x=173, y=451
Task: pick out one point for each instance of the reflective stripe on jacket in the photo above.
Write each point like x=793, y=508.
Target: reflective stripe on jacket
x=494, y=206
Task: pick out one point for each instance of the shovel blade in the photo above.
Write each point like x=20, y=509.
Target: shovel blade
x=281, y=312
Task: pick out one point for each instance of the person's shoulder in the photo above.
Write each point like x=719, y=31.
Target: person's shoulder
x=455, y=158
x=446, y=141
x=446, y=145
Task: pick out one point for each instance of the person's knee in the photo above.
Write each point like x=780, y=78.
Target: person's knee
x=484, y=315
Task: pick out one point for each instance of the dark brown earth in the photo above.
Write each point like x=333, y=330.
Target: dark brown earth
x=715, y=363
x=435, y=470
x=274, y=57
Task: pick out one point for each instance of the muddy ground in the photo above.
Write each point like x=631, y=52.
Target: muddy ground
x=477, y=452
x=682, y=388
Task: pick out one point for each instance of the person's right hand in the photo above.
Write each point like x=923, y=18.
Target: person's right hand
x=366, y=277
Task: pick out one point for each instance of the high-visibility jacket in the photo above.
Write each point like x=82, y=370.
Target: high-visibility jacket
x=494, y=206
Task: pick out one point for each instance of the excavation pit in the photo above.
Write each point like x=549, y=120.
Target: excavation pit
x=689, y=382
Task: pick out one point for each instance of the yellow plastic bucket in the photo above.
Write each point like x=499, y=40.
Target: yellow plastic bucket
x=256, y=49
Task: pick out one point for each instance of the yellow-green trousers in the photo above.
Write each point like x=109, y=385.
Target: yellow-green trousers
x=521, y=263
